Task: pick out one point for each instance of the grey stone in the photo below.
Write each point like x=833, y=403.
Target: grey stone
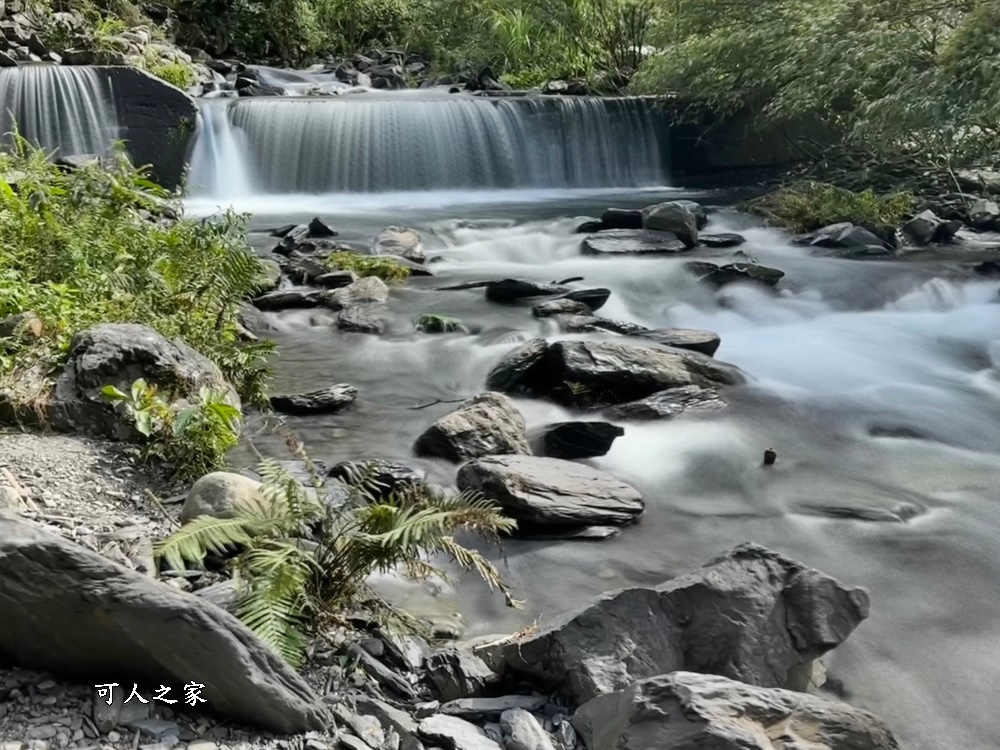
x=718, y=276
x=705, y=342
x=778, y=616
x=400, y=721
x=508, y=291
x=479, y=709
x=559, y=307
x=368, y=319
x=452, y=733
x=336, y=279
x=351, y=742
x=25, y=325
x=326, y=400
x=379, y=672
x=552, y=492
x=458, y=673
x=621, y=218
x=668, y=404
x=565, y=736
x=721, y=240
x=71, y=612
x=289, y=299
x=843, y=235
x=401, y=241
x=517, y=366
x=984, y=214
x=594, y=299
x=574, y=440
x=927, y=227
x=487, y=424
x=118, y=354
x=270, y=274
x=688, y=711
x=382, y=477
x=222, y=494
x=157, y=728
x=632, y=242
x=368, y=728
x=673, y=216
x=364, y=291
x=522, y=731
x=592, y=323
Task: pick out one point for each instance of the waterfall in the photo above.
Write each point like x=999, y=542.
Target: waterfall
x=64, y=109
x=408, y=143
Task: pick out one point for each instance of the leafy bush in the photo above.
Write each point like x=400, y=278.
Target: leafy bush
x=176, y=73
x=806, y=206
x=384, y=267
x=98, y=245
x=300, y=561
x=192, y=438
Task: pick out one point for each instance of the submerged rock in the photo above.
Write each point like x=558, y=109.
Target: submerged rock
x=574, y=440
x=673, y=216
x=779, y=616
x=552, y=492
x=487, y=424
x=689, y=711
x=333, y=398
x=668, y=404
x=71, y=612
x=563, y=306
x=721, y=240
x=705, y=342
x=632, y=242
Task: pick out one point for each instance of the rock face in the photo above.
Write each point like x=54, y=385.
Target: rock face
x=704, y=342
x=74, y=613
x=401, y=241
x=571, y=440
x=668, y=404
x=221, y=494
x=487, y=424
x=118, y=354
x=552, y=492
x=751, y=615
x=602, y=373
x=673, y=216
x=632, y=242
x=323, y=401
x=688, y=711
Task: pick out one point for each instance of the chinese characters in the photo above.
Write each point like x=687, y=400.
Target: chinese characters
x=192, y=693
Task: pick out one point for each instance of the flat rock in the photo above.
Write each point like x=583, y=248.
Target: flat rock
x=487, y=424
x=779, y=616
x=927, y=227
x=705, y=342
x=719, y=276
x=74, y=613
x=689, y=711
x=326, y=400
x=508, y=291
x=288, y=299
x=721, y=240
x=335, y=279
x=458, y=673
x=595, y=324
x=632, y=242
x=452, y=733
x=668, y=404
x=575, y=440
x=552, y=492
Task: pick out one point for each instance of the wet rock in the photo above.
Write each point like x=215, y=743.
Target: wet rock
x=365, y=291
x=381, y=476
x=594, y=299
x=432, y=323
x=517, y=367
x=392, y=718
x=984, y=215
x=72, y=612
x=552, y=492
x=508, y=291
x=370, y=319
x=621, y=218
x=522, y=731
x=487, y=424
x=483, y=709
x=589, y=227
x=317, y=228
x=289, y=299
x=222, y=494
x=269, y=278
x=719, y=276
x=988, y=268
x=593, y=323
x=632, y=242
x=779, y=617
x=401, y=241
x=118, y=354
x=688, y=711
x=563, y=306
x=673, y=216
x=335, y=279
x=843, y=235
x=331, y=399
x=976, y=180
x=575, y=440
x=927, y=227
x=457, y=673
x=304, y=269
x=721, y=240
x=452, y=733
x=705, y=342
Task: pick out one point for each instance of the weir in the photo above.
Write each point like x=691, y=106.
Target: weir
x=409, y=142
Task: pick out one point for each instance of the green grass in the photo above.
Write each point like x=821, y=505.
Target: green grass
x=383, y=266
x=807, y=206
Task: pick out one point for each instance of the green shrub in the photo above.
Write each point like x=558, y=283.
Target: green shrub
x=176, y=73
x=384, y=267
x=98, y=244
x=300, y=562
x=807, y=206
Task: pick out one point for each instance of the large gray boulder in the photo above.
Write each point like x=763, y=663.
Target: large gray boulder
x=752, y=615
x=574, y=440
x=401, y=241
x=485, y=425
x=118, y=354
x=632, y=242
x=689, y=711
x=74, y=613
x=542, y=492
x=673, y=216
x=668, y=404
x=927, y=227
x=222, y=494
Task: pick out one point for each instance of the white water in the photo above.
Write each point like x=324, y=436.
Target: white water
x=370, y=143
x=62, y=108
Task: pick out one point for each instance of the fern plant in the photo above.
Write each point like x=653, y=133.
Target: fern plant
x=300, y=561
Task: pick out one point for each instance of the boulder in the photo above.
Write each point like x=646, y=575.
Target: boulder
x=452, y=733
x=689, y=711
x=984, y=215
x=269, y=277
x=365, y=291
x=560, y=307
x=550, y=492
x=621, y=218
x=401, y=241
x=521, y=731
x=721, y=240
x=673, y=216
x=602, y=373
x=370, y=319
x=118, y=354
x=668, y=404
x=705, y=342
x=751, y=615
x=487, y=424
x=289, y=299
x=573, y=440
x=927, y=227
x=594, y=299
x=632, y=242
x=719, y=276
x=381, y=477
x=317, y=228
x=458, y=673
x=699, y=211
x=843, y=235
x=323, y=401
x=76, y=614
x=222, y=494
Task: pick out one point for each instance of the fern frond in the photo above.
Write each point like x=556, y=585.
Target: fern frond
x=203, y=535
x=473, y=560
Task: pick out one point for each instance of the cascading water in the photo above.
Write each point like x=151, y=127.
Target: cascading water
x=404, y=143
x=64, y=109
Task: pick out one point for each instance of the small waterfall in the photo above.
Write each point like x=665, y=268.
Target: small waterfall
x=405, y=143
x=64, y=109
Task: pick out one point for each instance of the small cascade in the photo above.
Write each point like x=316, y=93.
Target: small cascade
x=61, y=108
x=406, y=143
